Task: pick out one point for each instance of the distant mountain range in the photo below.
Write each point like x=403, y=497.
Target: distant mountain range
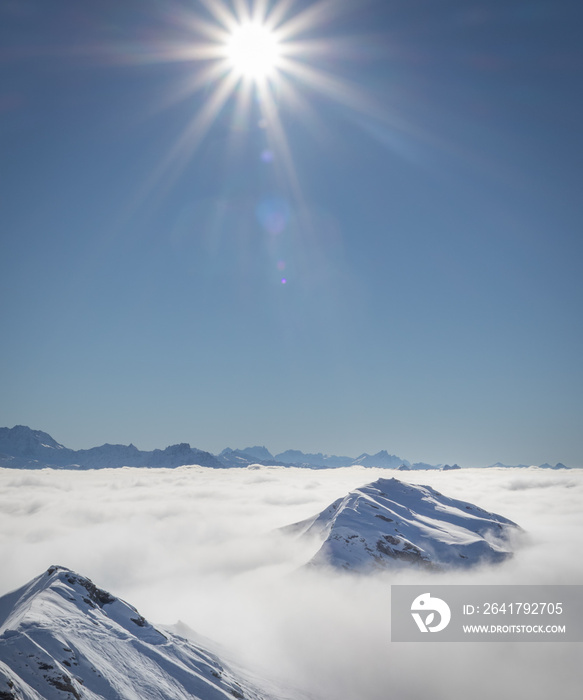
x=296, y=458
x=546, y=465
x=389, y=523
x=62, y=637
x=24, y=448
x=32, y=449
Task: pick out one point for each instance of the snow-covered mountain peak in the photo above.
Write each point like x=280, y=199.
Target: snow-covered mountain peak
x=63, y=637
x=390, y=522
x=61, y=594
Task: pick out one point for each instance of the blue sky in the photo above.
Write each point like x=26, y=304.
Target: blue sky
x=431, y=246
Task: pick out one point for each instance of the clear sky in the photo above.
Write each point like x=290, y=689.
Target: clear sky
x=381, y=248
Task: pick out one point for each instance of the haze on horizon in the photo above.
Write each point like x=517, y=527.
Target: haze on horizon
x=382, y=253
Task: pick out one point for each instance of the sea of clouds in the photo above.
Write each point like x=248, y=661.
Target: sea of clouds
x=201, y=546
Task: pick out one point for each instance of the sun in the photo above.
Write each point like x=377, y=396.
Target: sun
x=253, y=51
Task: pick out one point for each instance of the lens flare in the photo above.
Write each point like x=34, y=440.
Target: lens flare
x=273, y=214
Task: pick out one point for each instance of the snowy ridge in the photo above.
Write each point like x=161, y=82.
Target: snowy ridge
x=389, y=523
x=62, y=637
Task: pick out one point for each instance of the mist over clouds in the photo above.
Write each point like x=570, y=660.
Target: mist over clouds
x=201, y=546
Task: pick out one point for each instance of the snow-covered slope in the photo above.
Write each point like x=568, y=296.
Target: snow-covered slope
x=388, y=523
x=61, y=638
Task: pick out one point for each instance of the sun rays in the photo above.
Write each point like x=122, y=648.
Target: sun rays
x=258, y=55
x=253, y=68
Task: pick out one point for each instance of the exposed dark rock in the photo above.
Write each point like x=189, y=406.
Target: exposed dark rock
x=64, y=683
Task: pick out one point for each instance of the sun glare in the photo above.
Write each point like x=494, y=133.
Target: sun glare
x=253, y=51
x=259, y=55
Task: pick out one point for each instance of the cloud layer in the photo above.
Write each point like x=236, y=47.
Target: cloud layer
x=202, y=546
